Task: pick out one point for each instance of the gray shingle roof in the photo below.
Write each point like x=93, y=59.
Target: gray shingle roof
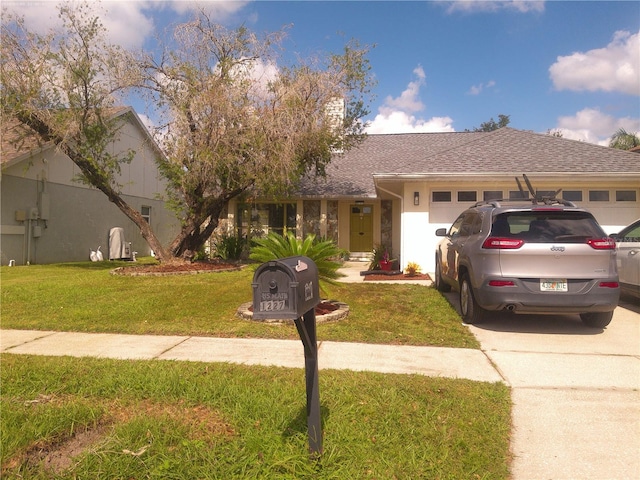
x=503, y=151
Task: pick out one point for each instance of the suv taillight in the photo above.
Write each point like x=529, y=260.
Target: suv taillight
x=606, y=243
x=500, y=243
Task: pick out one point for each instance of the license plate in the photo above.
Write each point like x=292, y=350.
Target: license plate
x=553, y=285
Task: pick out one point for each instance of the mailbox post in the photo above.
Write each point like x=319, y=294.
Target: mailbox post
x=288, y=289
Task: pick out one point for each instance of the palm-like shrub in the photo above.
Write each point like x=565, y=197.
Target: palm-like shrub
x=324, y=253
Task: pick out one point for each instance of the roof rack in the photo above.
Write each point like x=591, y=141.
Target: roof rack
x=536, y=199
x=497, y=203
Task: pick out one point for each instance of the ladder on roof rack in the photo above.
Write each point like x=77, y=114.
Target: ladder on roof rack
x=544, y=199
x=537, y=198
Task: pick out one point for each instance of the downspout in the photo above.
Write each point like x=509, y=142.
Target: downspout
x=401, y=198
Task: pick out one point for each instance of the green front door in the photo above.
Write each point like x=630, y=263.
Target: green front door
x=361, y=224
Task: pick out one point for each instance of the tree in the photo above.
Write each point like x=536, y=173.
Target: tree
x=227, y=131
x=624, y=140
x=63, y=86
x=237, y=124
x=555, y=133
x=491, y=125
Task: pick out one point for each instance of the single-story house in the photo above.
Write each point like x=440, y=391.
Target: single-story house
x=397, y=189
x=47, y=217
x=393, y=190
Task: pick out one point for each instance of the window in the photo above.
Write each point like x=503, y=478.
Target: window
x=625, y=195
x=515, y=194
x=492, y=195
x=572, y=195
x=546, y=194
x=262, y=218
x=598, y=195
x=441, y=196
x=146, y=213
x=467, y=196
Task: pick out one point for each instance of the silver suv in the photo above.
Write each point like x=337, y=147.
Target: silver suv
x=529, y=256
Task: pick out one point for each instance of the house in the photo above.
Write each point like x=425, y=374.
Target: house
x=47, y=217
x=396, y=190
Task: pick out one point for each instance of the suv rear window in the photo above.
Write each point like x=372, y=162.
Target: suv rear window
x=542, y=227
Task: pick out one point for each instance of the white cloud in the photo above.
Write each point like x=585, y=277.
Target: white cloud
x=128, y=23
x=472, y=6
x=614, y=68
x=592, y=126
x=409, y=99
x=477, y=89
x=396, y=115
x=217, y=9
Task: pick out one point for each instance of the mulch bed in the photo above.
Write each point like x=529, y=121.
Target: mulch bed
x=380, y=277
x=177, y=268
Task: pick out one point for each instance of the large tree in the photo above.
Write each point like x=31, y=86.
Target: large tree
x=239, y=123
x=227, y=131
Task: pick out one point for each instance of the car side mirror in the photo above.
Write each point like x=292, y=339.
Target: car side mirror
x=441, y=232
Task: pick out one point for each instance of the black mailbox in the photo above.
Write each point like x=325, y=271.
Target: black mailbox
x=285, y=289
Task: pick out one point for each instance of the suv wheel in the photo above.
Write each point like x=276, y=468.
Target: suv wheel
x=596, y=319
x=441, y=286
x=471, y=311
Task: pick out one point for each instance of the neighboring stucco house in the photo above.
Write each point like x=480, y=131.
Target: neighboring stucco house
x=47, y=217
x=396, y=190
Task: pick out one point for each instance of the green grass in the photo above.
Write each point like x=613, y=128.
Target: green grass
x=85, y=297
x=93, y=418
x=88, y=418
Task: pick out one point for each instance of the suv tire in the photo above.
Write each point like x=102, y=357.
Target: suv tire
x=471, y=312
x=596, y=319
x=441, y=286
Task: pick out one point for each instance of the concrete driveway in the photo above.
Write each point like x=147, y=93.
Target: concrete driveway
x=575, y=392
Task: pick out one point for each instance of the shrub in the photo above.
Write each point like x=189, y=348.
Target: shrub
x=412, y=269
x=379, y=253
x=230, y=247
x=324, y=253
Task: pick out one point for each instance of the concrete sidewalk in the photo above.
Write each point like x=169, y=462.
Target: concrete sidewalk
x=432, y=361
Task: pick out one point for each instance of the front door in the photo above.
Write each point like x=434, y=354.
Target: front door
x=361, y=224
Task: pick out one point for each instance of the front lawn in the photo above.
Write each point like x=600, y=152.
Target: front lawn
x=94, y=418
x=85, y=297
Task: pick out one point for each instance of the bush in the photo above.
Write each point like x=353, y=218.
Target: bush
x=324, y=253
x=230, y=247
x=412, y=269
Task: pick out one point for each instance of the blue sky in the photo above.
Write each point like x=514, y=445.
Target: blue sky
x=445, y=66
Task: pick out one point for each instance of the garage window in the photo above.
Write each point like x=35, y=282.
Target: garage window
x=572, y=195
x=625, y=195
x=598, y=195
x=441, y=196
x=515, y=194
x=492, y=195
x=467, y=196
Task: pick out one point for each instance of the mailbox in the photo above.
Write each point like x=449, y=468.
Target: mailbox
x=285, y=289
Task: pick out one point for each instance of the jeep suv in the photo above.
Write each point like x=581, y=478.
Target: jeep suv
x=527, y=256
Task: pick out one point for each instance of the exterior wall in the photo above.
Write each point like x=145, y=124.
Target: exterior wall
x=322, y=220
x=420, y=223
x=79, y=220
x=70, y=218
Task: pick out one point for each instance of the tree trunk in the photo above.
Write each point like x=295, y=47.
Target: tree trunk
x=191, y=238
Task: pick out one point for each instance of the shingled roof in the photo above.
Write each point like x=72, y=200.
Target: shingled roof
x=506, y=151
